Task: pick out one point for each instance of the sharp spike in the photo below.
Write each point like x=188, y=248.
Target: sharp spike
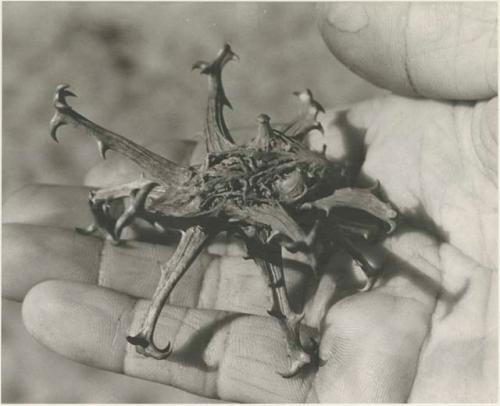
x=218, y=137
x=159, y=227
x=272, y=236
x=370, y=282
x=102, y=149
x=55, y=123
x=158, y=167
x=275, y=313
x=319, y=127
x=60, y=96
x=227, y=103
x=320, y=108
x=135, y=207
x=311, y=237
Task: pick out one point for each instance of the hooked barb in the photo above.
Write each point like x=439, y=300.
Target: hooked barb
x=135, y=208
x=148, y=348
x=61, y=106
x=310, y=106
x=60, y=96
x=162, y=169
x=217, y=136
x=306, y=120
x=225, y=55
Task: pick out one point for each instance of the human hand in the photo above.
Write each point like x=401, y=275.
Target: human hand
x=373, y=343
x=437, y=163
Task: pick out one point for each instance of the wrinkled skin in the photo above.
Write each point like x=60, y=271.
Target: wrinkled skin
x=399, y=342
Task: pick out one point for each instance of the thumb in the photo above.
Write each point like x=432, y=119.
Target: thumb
x=435, y=50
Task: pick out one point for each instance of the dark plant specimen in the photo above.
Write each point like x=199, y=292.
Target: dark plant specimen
x=271, y=192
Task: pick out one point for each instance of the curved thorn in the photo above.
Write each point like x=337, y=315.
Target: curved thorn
x=319, y=107
x=148, y=348
x=203, y=66
x=234, y=56
x=294, y=370
x=313, y=262
x=160, y=353
x=157, y=166
x=217, y=135
x=139, y=340
x=135, y=207
x=296, y=365
x=275, y=313
x=56, y=122
x=370, y=282
x=102, y=149
x=142, y=194
x=123, y=221
x=320, y=128
x=274, y=234
x=60, y=104
x=311, y=236
x=60, y=96
x=90, y=229
x=159, y=227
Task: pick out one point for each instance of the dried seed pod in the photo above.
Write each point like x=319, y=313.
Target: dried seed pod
x=258, y=191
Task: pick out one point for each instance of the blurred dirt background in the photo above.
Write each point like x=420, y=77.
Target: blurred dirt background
x=130, y=64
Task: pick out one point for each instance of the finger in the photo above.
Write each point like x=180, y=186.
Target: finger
x=65, y=207
x=47, y=252
x=372, y=341
x=445, y=51
x=50, y=205
x=27, y=380
x=32, y=254
x=117, y=169
x=216, y=354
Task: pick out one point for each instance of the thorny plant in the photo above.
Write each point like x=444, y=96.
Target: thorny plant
x=266, y=192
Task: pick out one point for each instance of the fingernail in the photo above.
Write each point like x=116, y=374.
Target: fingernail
x=347, y=17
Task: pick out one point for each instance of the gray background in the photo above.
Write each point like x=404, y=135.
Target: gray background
x=130, y=64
